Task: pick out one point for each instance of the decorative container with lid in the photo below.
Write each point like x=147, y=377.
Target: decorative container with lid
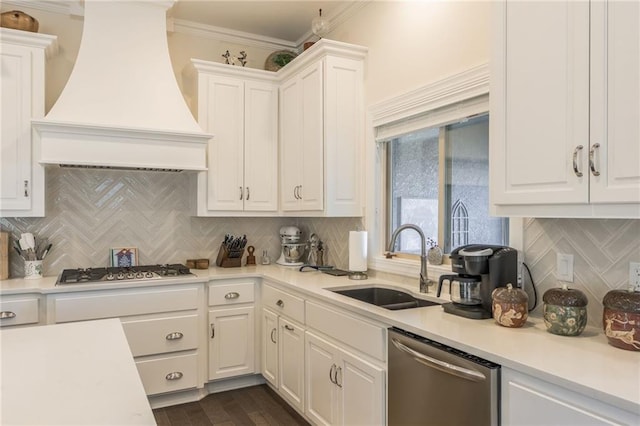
x=510, y=306
x=621, y=319
x=565, y=311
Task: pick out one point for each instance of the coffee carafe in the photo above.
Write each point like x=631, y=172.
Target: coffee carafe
x=479, y=270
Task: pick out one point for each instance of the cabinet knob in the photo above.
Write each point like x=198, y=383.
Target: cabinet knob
x=176, y=335
x=280, y=303
x=592, y=160
x=7, y=314
x=176, y=375
x=288, y=327
x=232, y=295
x=576, y=170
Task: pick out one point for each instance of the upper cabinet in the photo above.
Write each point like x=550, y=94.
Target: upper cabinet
x=23, y=56
x=239, y=107
x=565, y=138
x=322, y=131
x=289, y=142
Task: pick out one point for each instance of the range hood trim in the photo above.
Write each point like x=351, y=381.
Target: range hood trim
x=77, y=143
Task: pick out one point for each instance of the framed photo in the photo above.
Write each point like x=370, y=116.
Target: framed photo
x=123, y=256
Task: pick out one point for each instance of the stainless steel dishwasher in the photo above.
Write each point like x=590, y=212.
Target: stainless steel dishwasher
x=433, y=384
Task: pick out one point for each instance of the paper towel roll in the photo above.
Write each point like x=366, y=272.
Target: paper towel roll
x=357, y=251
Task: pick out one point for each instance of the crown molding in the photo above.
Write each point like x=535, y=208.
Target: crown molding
x=71, y=8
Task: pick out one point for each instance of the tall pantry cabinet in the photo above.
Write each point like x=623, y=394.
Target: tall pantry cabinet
x=23, y=56
x=565, y=85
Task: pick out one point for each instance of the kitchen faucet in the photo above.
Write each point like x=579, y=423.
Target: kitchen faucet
x=425, y=282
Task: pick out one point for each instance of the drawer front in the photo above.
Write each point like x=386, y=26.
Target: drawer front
x=169, y=374
x=19, y=312
x=364, y=336
x=283, y=303
x=231, y=294
x=162, y=335
x=111, y=304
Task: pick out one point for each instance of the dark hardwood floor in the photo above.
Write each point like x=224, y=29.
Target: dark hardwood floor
x=255, y=405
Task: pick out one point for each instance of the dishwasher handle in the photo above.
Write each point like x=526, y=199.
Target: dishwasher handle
x=443, y=366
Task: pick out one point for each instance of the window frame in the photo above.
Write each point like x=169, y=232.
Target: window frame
x=470, y=84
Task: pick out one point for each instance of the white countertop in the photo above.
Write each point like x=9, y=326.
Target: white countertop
x=70, y=374
x=585, y=363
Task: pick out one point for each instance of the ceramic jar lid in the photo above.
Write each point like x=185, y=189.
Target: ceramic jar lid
x=565, y=296
x=623, y=300
x=509, y=294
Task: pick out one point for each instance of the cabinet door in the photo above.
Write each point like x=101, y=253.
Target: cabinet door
x=221, y=113
x=343, y=136
x=540, y=103
x=615, y=104
x=260, y=147
x=361, y=394
x=312, y=138
x=231, y=342
x=270, y=346
x=290, y=147
x=321, y=394
x=529, y=401
x=15, y=142
x=291, y=365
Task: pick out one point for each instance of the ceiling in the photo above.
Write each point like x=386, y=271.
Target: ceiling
x=283, y=20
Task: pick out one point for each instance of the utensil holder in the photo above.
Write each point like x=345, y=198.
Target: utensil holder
x=229, y=258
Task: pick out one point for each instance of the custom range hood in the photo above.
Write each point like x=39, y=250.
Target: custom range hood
x=122, y=107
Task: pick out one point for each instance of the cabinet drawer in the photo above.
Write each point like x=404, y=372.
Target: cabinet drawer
x=364, y=336
x=169, y=374
x=283, y=303
x=161, y=335
x=230, y=294
x=19, y=311
x=110, y=304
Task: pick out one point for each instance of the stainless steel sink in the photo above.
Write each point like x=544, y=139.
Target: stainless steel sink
x=384, y=297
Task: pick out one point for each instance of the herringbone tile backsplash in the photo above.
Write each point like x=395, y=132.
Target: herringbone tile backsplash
x=601, y=249
x=90, y=211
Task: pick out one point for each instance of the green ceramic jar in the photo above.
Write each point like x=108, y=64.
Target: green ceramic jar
x=565, y=311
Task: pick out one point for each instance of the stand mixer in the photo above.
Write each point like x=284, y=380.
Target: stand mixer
x=292, y=249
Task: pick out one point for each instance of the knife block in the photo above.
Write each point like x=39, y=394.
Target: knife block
x=229, y=258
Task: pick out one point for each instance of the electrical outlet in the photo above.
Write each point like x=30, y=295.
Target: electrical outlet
x=634, y=275
x=564, y=267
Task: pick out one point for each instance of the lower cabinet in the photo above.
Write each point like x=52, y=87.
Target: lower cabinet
x=341, y=388
x=23, y=309
x=529, y=401
x=231, y=329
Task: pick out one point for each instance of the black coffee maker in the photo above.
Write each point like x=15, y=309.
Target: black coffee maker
x=479, y=269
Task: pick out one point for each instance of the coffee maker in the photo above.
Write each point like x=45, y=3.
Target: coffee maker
x=479, y=270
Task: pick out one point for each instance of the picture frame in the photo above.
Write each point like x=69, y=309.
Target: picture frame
x=123, y=257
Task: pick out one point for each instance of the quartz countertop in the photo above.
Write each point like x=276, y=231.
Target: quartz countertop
x=70, y=374
x=585, y=363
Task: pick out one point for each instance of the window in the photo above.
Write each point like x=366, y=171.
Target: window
x=438, y=179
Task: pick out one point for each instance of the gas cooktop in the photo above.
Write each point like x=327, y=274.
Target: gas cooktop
x=113, y=274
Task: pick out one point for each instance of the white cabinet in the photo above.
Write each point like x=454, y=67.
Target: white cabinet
x=283, y=345
x=22, y=86
x=239, y=107
x=342, y=389
x=162, y=324
x=529, y=401
x=21, y=309
x=231, y=330
x=322, y=131
x=564, y=134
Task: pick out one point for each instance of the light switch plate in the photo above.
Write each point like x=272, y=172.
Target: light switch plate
x=564, y=267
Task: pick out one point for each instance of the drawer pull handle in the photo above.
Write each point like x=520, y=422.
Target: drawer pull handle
x=176, y=375
x=176, y=335
x=7, y=314
x=288, y=327
x=592, y=160
x=232, y=295
x=280, y=303
x=213, y=331
x=272, y=338
x=331, y=370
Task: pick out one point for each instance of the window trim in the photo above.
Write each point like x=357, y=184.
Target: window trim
x=466, y=85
